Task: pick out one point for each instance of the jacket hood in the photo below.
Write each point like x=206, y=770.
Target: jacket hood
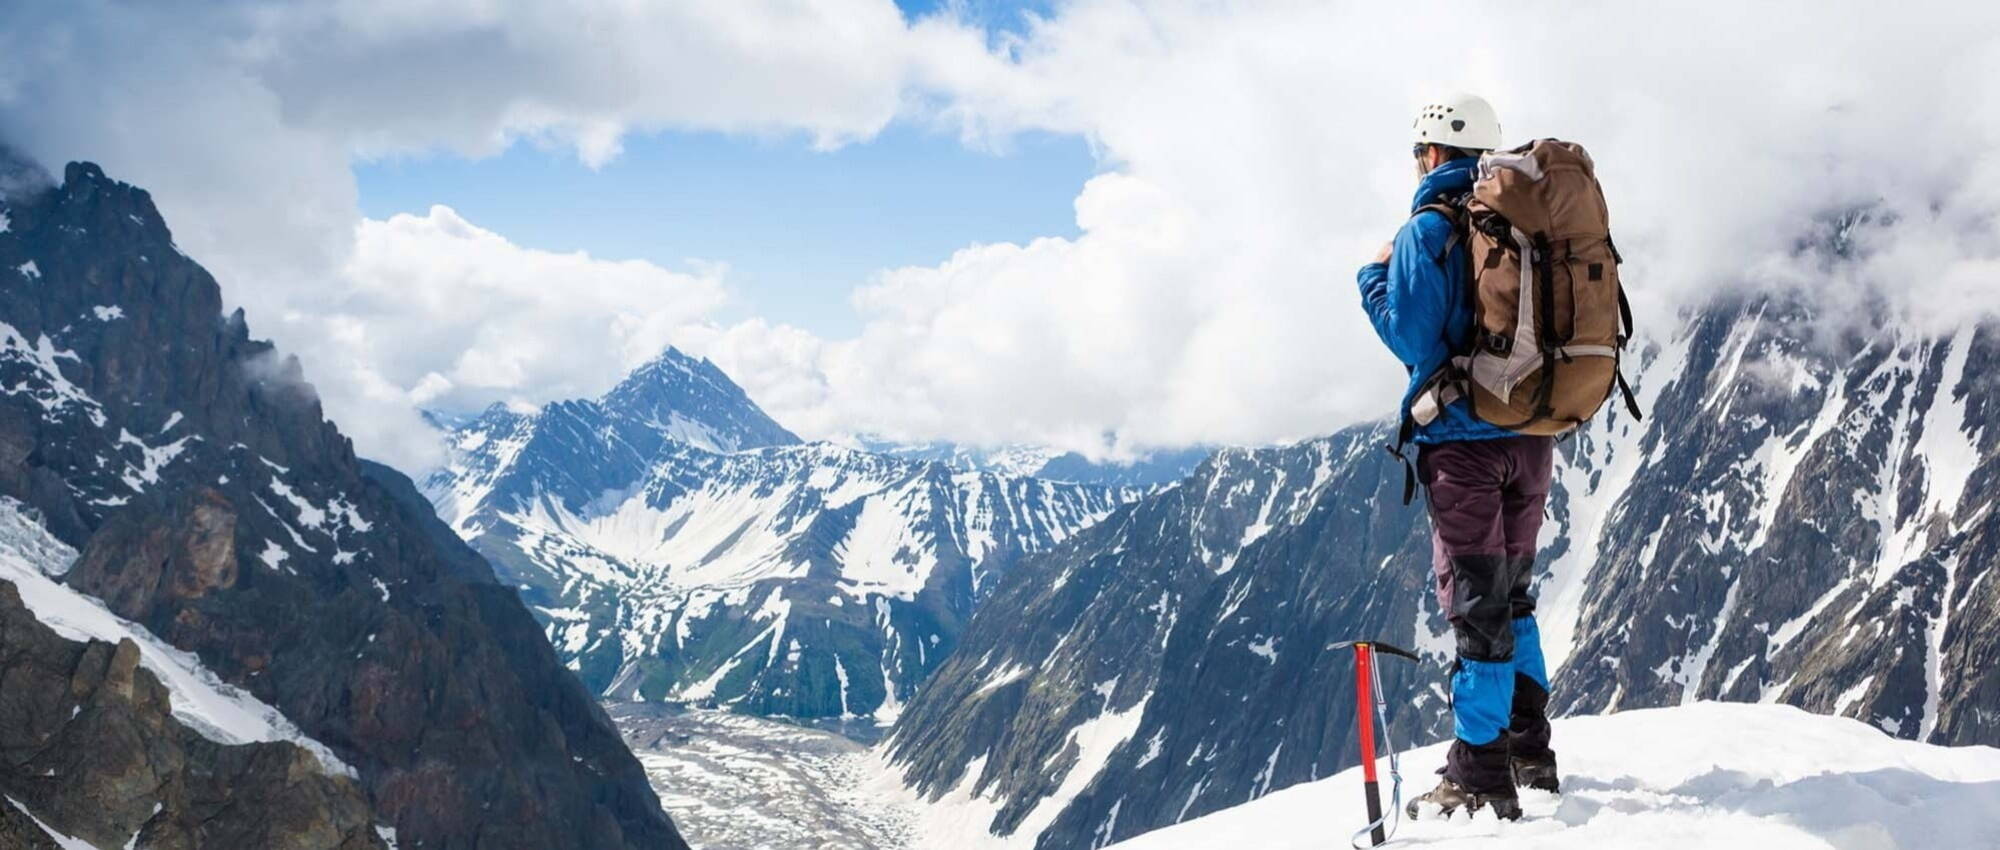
x=1451, y=178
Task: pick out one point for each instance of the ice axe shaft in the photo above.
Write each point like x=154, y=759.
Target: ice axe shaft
x=1364, y=709
x=1367, y=704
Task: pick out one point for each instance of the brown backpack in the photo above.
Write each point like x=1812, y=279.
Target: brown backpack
x=1549, y=317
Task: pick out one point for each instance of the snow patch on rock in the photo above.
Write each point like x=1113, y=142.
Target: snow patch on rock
x=221, y=712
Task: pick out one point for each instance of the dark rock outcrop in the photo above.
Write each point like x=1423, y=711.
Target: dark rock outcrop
x=214, y=505
x=88, y=743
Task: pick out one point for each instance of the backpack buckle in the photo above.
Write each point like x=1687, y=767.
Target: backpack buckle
x=1498, y=344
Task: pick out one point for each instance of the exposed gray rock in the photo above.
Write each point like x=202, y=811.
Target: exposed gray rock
x=89, y=745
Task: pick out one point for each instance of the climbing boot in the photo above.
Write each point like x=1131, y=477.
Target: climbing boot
x=1449, y=797
x=1539, y=774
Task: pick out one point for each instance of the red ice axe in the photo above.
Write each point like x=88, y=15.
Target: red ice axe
x=1368, y=708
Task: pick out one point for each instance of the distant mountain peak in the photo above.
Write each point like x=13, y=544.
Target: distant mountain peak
x=671, y=367
x=672, y=364
x=691, y=400
x=576, y=450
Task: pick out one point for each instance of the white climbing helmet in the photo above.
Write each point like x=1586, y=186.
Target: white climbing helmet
x=1461, y=121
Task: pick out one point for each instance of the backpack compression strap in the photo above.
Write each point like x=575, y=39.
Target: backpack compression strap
x=1625, y=315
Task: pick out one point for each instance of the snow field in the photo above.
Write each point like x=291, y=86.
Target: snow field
x=1702, y=775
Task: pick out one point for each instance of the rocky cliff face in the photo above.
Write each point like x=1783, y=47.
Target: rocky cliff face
x=114, y=738
x=1803, y=517
x=1810, y=523
x=91, y=750
x=215, y=507
x=787, y=579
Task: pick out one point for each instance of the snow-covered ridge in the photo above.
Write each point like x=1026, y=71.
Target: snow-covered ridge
x=1145, y=470
x=1701, y=775
x=707, y=521
x=221, y=712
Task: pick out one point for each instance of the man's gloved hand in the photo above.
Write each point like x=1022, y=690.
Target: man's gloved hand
x=1382, y=256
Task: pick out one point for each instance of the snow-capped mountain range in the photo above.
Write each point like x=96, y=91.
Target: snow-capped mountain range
x=678, y=544
x=1151, y=469
x=1803, y=517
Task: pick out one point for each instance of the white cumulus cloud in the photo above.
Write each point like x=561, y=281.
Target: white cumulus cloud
x=512, y=317
x=243, y=118
x=1253, y=155
x=432, y=311
x=1259, y=155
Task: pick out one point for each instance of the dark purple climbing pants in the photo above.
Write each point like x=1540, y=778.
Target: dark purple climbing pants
x=1486, y=499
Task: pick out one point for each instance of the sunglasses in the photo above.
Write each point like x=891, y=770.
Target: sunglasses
x=1417, y=150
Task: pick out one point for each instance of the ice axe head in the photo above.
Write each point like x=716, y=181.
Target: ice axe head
x=1380, y=647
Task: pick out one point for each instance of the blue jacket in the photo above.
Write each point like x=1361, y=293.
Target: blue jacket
x=1419, y=306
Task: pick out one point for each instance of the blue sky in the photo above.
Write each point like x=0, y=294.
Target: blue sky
x=1003, y=15
x=799, y=228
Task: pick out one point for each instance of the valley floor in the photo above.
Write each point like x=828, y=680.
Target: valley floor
x=733, y=782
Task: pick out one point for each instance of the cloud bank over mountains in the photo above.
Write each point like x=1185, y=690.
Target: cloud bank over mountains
x=1252, y=155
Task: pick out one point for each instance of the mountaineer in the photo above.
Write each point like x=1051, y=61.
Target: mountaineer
x=1502, y=358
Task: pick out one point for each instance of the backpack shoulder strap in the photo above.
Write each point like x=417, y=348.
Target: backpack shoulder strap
x=1453, y=210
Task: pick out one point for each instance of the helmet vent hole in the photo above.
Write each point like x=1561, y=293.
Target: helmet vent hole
x=1458, y=125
